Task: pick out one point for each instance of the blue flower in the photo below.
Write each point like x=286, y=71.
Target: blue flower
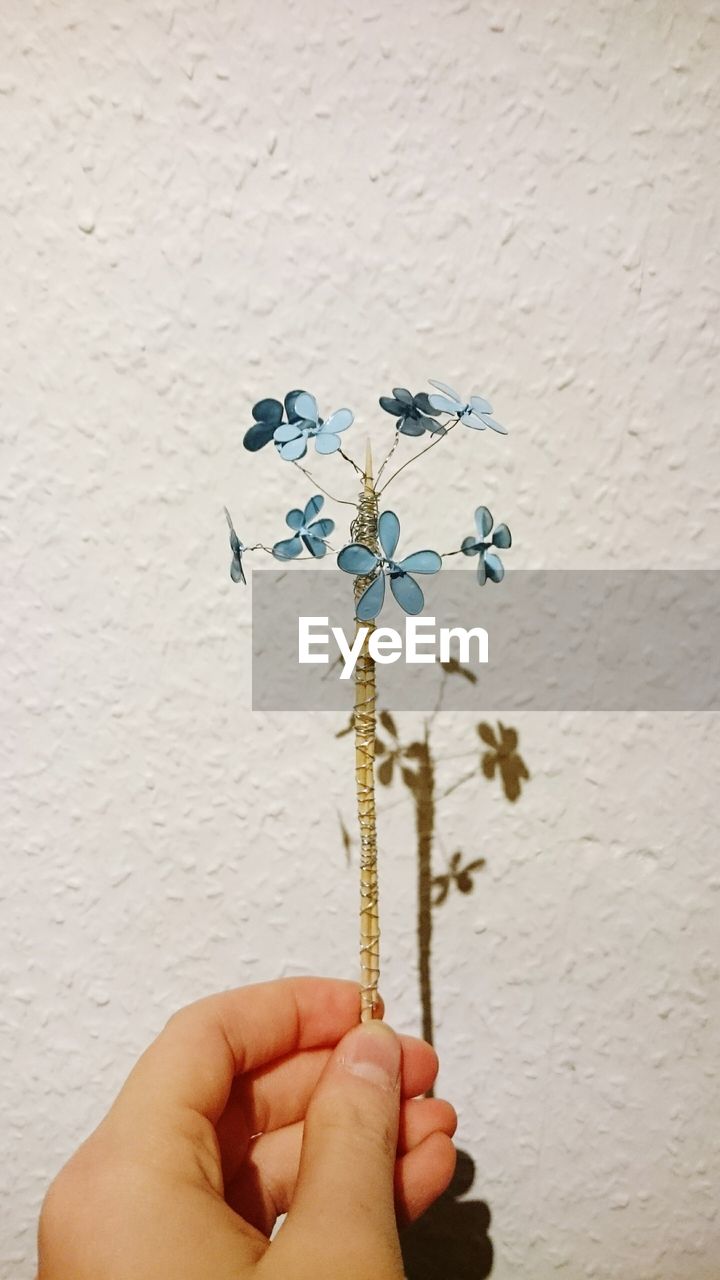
x=414, y=413
x=310, y=535
x=237, y=573
x=268, y=415
x=306, y=424
x=474, y=412
x=360, y=560
x=489, y=566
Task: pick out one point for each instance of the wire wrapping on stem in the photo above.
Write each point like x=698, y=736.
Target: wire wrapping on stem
x=364, y=529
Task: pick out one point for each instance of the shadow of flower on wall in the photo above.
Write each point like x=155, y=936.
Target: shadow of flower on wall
x=451, y=1240
x=456, y=874
x=503, y=756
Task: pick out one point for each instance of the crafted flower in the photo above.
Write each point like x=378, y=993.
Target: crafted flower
x=489, y=566
x=360, y=560
x=237, y=573
x=305, y=424
x=474, y=412
x=414, y=413
x=310, y=535
x=268, y=415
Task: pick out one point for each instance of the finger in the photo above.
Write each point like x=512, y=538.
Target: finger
x=419, y=1117
x=195, y=1059
x=347, y=1161
x=422, y=1175
x=278, y=1095
x=264, y=1186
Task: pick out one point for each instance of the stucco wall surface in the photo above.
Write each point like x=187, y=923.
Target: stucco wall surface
x=201, y=204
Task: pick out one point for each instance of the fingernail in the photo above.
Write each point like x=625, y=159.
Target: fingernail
x=372, y=1051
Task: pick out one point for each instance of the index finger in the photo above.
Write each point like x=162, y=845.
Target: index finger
x=203, y=1047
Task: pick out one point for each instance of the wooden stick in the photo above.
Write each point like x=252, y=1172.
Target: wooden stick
x=364, y=529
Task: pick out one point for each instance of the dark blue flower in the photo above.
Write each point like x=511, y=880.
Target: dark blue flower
x=306, y=424
x=268, y=415
x=489, y=565
x=361, y=561
x=415, y=414
x=474, y=412
x=237, y=573
x=307, y=532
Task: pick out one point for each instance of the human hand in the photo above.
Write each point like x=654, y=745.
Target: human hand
x=265, y=1100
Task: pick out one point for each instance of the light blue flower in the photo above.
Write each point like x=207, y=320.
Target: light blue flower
x=361, y=561
x=291, y=439
x=307, y=532
x=475, y=412
x=489, y=565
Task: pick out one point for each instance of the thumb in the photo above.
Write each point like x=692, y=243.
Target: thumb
x=343, y=1209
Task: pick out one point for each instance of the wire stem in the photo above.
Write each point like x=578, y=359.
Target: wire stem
x=352, y=461
x=388, y=455
x=345, y=502
x=415, y=456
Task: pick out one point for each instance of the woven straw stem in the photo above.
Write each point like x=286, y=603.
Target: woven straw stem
x=364, y=529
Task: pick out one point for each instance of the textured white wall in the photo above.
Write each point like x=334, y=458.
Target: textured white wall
x=204, y=203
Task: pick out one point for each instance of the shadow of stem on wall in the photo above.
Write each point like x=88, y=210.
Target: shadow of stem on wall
x=450, y=1241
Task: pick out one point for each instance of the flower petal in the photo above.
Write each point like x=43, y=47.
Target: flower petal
x=407, y=592
x=470, y=546
x=403, y=395
x=287, y=549
x=472, y=419
x=268, y=411
x=411, y=427
x=371, y=600
x=257, y=436
x=357, y=558
x=327, y=443
x=494, y=566
x=388, y=533
x=315, y=546
x=294, y=519
x=443, y=405
x=443, y=386
x=338, y=421
x=321, y=528
x=306, y=407
x=391, y=406
x=237, y=573
x=480, y=404
x=502, y=537
x=294, y=449
x=422, y=400
x=290, y=402
x=433, y=427
x=422, y=562
x=481, y=570
x=288, y=431
x=483, y=521
x=313, y=507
